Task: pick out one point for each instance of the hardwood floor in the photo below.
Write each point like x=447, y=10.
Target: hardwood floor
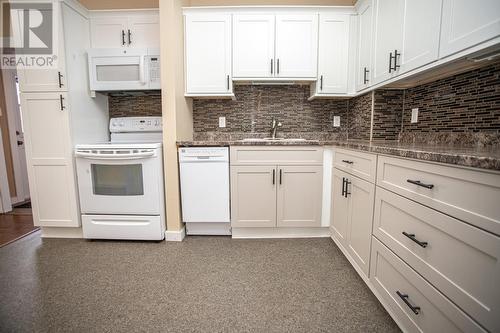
x=15, y=225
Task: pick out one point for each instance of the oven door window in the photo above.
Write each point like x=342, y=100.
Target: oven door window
x=117, y=180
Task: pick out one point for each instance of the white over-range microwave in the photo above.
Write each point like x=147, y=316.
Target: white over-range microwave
x=124, y=69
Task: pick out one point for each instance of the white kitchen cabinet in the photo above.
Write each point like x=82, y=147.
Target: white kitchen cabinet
x=405, y=36
x=115, y=30
x=253, y=46
x=296, y=46
x=365, y=32
x=253, y=196
x=468, y=23
x=299, y=196
x=352, y=207
x=333, y=56
x=49, y=157
x=208, y=55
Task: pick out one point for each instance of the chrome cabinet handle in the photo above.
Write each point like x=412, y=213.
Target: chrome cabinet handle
x=123, y=37
x=419, y=183
x=278, y=66
x=321, y=83
x=396, y=55
x=412, y=237
x=129, y=39
x=365, y=80
x=272, y=66
x=404, y=297
x=60, y=79
x=228, y=82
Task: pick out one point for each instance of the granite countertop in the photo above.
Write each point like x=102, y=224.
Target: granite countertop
x=476, y=157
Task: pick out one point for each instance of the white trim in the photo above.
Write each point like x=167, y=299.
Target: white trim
x=61, y=232
x=175, y=236
x=281, y=232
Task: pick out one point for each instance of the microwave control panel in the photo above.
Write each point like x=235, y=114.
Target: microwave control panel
x=154, y=69
x=135, y=124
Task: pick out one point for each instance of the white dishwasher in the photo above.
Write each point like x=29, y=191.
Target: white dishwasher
x=204, y=178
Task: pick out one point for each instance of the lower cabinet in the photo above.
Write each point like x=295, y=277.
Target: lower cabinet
x=352, y=216
x=276, y=195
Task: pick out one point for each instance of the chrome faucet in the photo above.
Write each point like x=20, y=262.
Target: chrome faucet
x=274, y=127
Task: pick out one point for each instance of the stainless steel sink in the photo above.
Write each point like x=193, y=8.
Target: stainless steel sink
x=275, y=139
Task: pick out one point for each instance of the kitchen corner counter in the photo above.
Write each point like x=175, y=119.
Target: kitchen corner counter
x=484, y=158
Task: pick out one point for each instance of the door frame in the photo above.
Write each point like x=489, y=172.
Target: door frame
x=14, y=119
x=5, y=203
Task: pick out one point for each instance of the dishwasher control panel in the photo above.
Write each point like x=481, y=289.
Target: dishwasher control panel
x=200, y=154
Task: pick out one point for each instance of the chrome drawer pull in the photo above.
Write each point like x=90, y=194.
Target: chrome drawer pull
x=404, y=297
x=412, y=237
x=348, y=162
x=419, y=183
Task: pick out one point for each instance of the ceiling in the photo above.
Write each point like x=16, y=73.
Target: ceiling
x=134, y=4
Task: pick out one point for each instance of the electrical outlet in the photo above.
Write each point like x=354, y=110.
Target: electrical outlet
x=414, y=115
x=222, y=121
x=336, y=121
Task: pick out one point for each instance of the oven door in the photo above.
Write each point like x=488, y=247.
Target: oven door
x=120, y=181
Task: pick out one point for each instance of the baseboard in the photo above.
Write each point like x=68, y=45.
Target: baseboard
x=280, y=232
x=60, y=232
x=175, y=236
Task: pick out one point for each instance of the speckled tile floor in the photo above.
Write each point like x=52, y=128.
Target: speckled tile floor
x=204, y=284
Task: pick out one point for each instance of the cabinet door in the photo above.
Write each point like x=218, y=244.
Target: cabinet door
x=49, y=159
x=144, y=31
x=253, y=196
x=365, y=28
x=108, y=32
x=333, y=54
x=388, y=34
x=340, y=208
x=253, y=46
x=44, y=80
x=208, y=54
x=420, y=42
x=297, y=46
x=299, y=196
x=468, y=23
x=361, y=196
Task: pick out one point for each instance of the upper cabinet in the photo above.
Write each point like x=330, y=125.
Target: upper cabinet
x=253, y=46
x=275, y=46
x=207, y=43
x=365, y=28
x=296, y=46
x=333, y=56
x=125, y=29
x=406, y=36
x=468, y=23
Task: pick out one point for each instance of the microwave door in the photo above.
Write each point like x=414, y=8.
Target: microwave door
x=117, y=73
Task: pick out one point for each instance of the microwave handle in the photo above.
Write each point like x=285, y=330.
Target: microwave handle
x=97, y=156
x=141, y=70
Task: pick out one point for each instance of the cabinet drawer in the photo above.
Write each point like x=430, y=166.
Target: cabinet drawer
x=307, y=155
x=356, y=163
x=417, y=305
x=460, y=260
x=469, y=195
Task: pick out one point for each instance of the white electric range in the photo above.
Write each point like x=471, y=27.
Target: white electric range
x=121, y=183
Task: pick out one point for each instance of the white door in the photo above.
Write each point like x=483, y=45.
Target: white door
x=297, y=46
x=421, y=26
x=365, y=29
x=208, y=54
x=299, y=196
x=49, y=157
x=468, y=23
x=253, y=46
x=53, y=79
x=16, y=135
x=361, y=196
x=387, y=37
x=253, y=196
x=144, y=31
x=108, y=32
x=340, y=207
x=333, y=57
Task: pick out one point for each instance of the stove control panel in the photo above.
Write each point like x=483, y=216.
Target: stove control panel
x=135, y=124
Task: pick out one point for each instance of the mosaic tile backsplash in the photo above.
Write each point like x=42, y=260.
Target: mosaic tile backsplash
x=135, y=106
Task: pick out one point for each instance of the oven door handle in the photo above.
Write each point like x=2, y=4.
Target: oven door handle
x=134, y=156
